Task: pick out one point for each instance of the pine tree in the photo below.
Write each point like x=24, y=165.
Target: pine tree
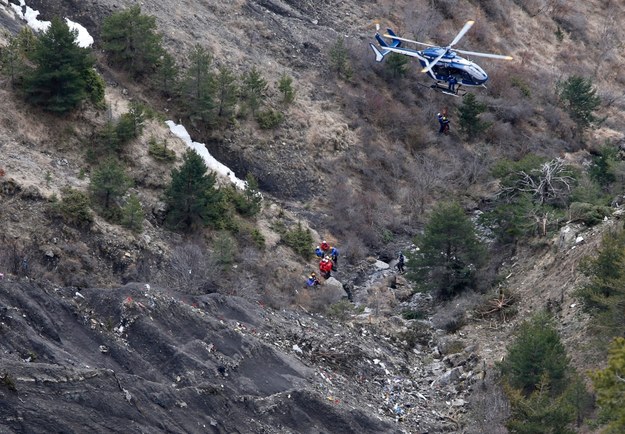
x=254, y=87
x=469, y=117
x=610, y=387
x=450, y=252
x=59, y=81
x=167, y=73
x=132, y=214
x=198, y=86
x=131, y=41
x=250, y=201
x=108, y=183
x=397, y=64
x=540, y=412
x=339, y=60
x=191, y=196
x=604, y=294
x=285, y=86
x=580, y=100
x=14, y=55
x=227, y=92
x=536, y=352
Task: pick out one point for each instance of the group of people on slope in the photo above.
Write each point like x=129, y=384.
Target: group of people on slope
x=329, y=258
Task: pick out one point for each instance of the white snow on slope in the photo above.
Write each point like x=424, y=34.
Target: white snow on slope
x=212, y=164
x=83, y=38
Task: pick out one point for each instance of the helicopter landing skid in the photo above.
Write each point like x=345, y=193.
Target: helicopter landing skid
x=459, y=92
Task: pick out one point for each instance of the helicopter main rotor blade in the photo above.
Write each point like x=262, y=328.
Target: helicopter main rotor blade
x=434, y=62
x=464, y=30
x=478, y=54
x=408, y=40
x=426, y=68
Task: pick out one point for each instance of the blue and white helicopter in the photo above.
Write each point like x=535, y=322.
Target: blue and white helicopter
x=449, y=70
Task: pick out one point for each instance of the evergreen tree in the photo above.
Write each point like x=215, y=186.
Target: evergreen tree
x=610, y=387
x=339, y=60
x=166, y=76
x=108, y=184
x=285, y=86
x=540, y=412
x=604, y=294
x=191, y=196
x=450, y=252
x=227, y=92
x=59, y=81
x=397, y=64
x=130, y=125
x=469, y=116
x=198, y=86
x=132, y=214
x=95, y=88
x=603, y=165
x=14, y=56
x=131, y=41
x=580, y=100
x=254, y=87
x=249, y=202
x=536, y=353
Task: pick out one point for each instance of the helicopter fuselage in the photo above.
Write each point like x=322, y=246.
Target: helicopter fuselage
x=465, y=71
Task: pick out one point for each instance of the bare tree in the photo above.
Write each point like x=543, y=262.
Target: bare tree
x=549, y=183
x=192, y=269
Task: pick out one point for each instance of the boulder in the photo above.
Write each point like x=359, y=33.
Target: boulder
x=332, y=290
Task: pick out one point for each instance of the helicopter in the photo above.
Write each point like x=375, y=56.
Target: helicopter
x=443, y=64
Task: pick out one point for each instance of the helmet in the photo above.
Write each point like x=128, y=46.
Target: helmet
x=313, y=274
x=438, y=114
x=324, y=242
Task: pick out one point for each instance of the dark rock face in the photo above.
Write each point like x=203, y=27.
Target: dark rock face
x=134, y=359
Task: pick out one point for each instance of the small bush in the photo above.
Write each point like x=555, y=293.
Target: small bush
x=415, y=335
x=160, y=152
x=269, y=119
x=8, y=382
x=413, y=314
x=74, y=208
x=300, y=240
x=588, y=213
x=340, y=310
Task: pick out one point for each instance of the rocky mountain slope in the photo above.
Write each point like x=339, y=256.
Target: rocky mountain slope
x=96, y=337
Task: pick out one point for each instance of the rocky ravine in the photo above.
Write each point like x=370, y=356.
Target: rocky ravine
x=142, y=359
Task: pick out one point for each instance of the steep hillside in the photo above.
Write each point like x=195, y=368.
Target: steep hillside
x=106, y=330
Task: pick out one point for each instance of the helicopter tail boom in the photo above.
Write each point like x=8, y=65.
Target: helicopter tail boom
x=379, y=56
x=385, y=48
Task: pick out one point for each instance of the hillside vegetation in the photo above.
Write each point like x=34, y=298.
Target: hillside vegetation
x=510, y=223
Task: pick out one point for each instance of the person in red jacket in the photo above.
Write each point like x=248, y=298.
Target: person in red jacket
x=325, y=267
x=325, y=246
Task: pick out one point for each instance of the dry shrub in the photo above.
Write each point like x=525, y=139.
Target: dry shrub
x=353, y=249
x=516, y=110
x=447, y=8
x=495, y=10
x=453, y=315
x=381, y=300
x=560, y=125
x=501, y=133
x=575, y=24
x=489, y=408
x=192, y=269
x=71, y=273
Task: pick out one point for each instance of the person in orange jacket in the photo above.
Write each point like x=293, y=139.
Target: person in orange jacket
x=325, y=266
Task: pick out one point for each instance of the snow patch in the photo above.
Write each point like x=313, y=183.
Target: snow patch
x=83, y=38
x=221, y=169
